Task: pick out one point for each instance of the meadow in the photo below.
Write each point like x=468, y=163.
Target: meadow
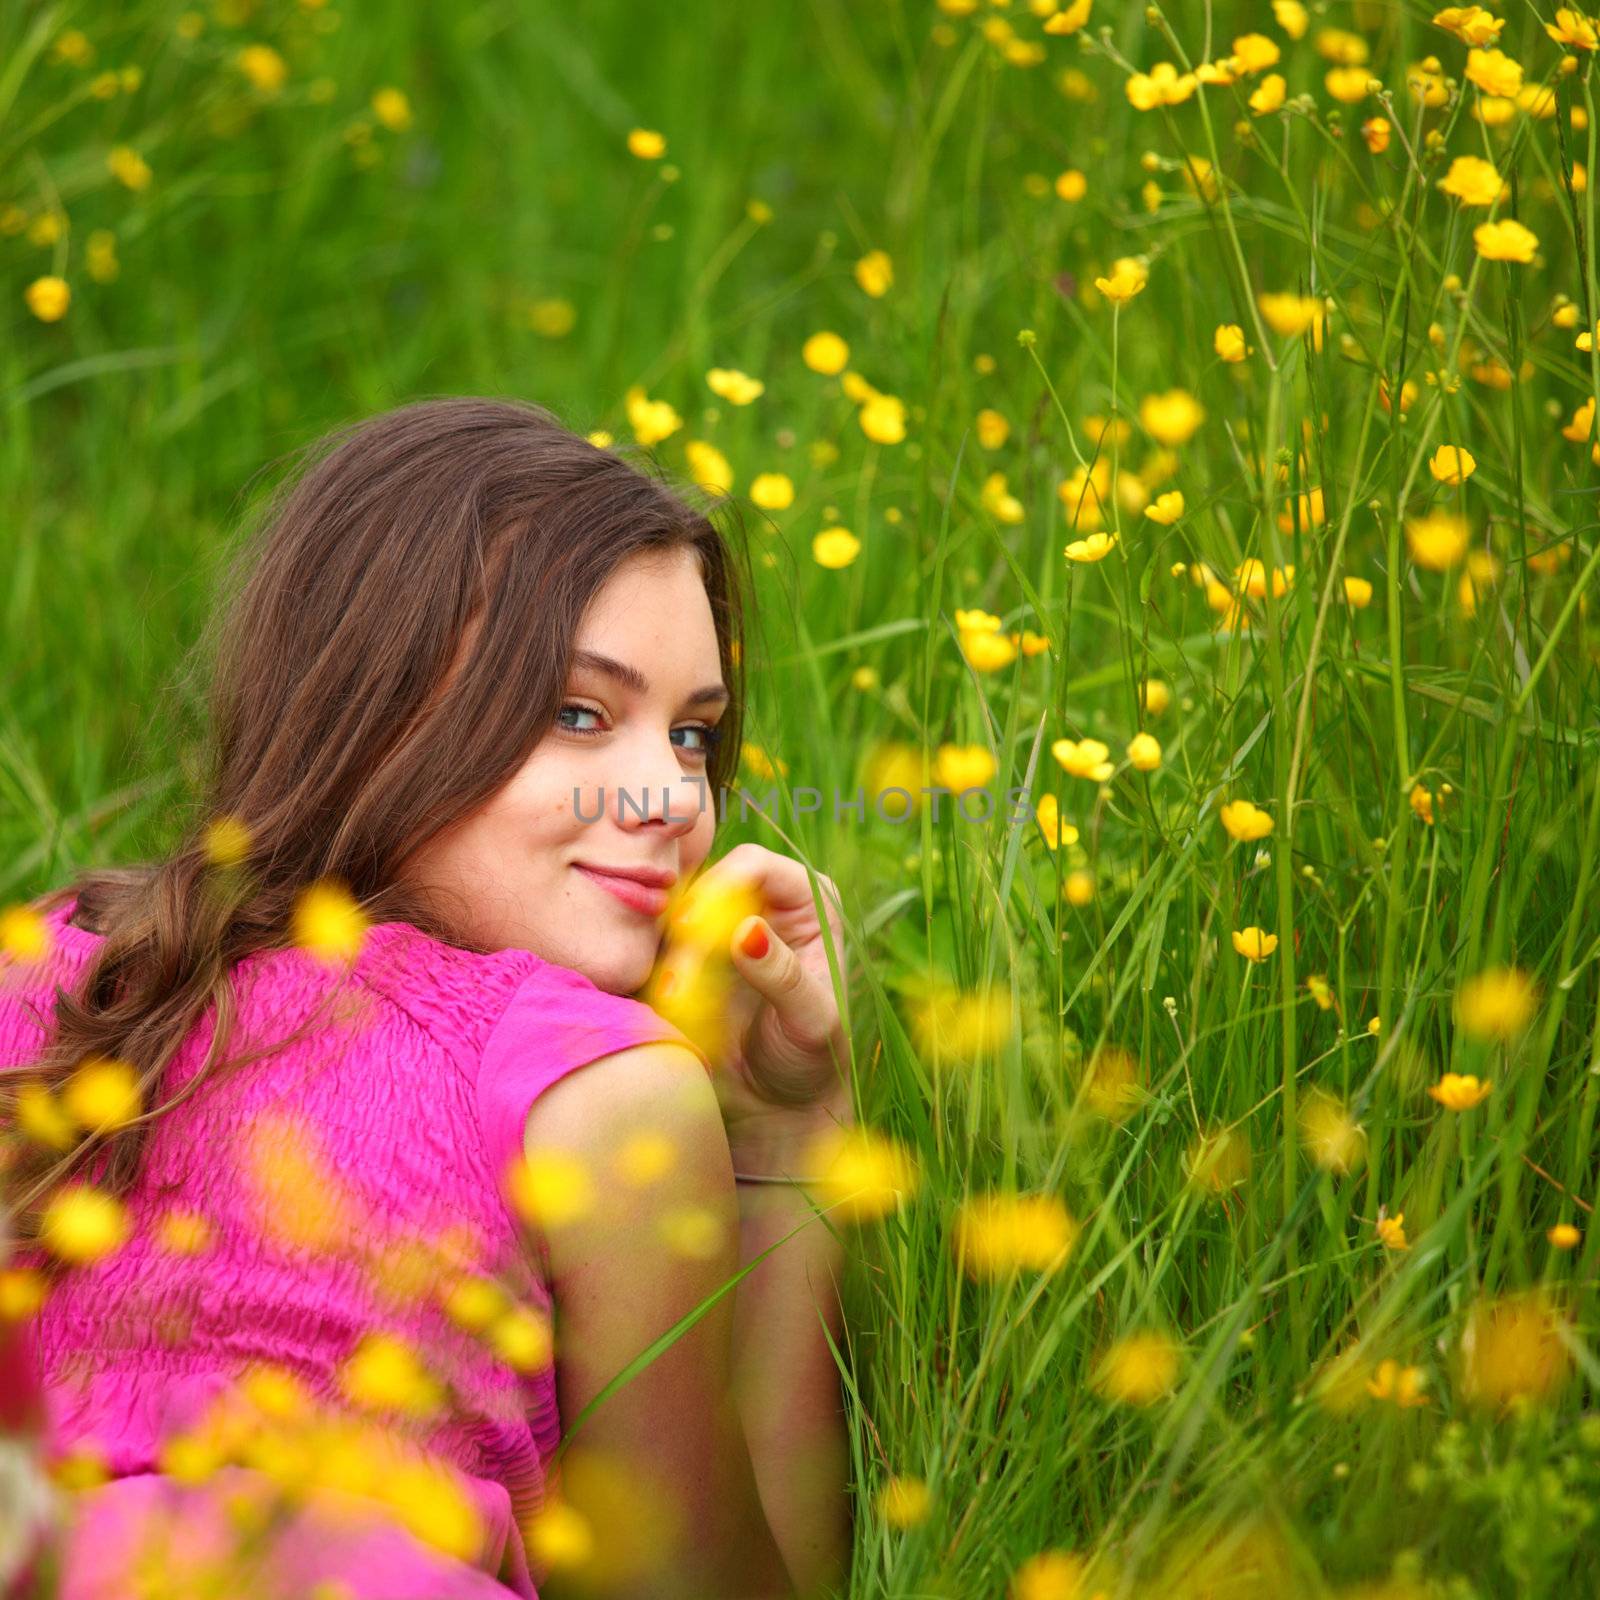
x=1184, y=413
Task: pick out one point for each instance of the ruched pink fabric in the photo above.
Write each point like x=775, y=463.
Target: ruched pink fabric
x=412, y=1100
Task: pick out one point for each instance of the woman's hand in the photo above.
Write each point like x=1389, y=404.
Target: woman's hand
x=789, y=1070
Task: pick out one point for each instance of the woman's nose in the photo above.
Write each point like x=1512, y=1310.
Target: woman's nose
x=655, y=789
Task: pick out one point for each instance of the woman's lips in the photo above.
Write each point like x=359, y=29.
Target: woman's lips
x=636, y=896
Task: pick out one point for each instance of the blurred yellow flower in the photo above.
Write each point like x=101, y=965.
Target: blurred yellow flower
x=1172, y=418
x=1244, y=820
x=1572, y=28
x=737, y=388
x=1111, y=1082
x=1166, y=508
x=327, y=923
x=391, y=107
x=22, y=1292
x=1139, y=1369
x=646, y=143
x=1051, y=1574
x=1129, y=274
x=1563, y=1236
x=772, y=491
x=1512, y=1352
x=551, y=1188
x=1056, y=831
x=184, y=1233
x=1083, y=758
x=263, y=66
x=1077, y=888
x=875, y=273
x=24, y=934
x=226, y=841
x=1350, y=85
x=1000, y=1233
x=1375, y=133
x=903, y=1501
x=1162, y=85
x=1144, y=752
x=1292, y=17
x=1269, y=95
x=103, y=1094
x=1291, y=314
x=1253, y=943
x=128, y=167
x=835, y=548
x=1357, y=592
x=81, y=1224
x=1218, y=1159
x=1154, y=697
x=1472, y=180
x=559, y=1536
x=1255, y=52
x=651, y=420
x=708, y=467
x=1228, y=342
x=861, y=1174
x=1331, y=1138
x=1450, y=463
x=48, y=298
x=40, y=1117
x=1070, y=18
x=826, y=353
x=959, y=767
x=1470, y=24
x=949, y=1020
x=1497, y=1003
x=1457, y=1091
x=1095, y=548
x=1505, y=241
x=883, y=419
x=999, y=502
x=1494, y=72
x=1402, y=1385
x=1438, y=540
x=1072, y=185
x=992, y=429
x=384, y=1373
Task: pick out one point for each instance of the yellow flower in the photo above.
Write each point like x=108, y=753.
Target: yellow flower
x=1095, y=548
x=81, y=1224
x=1172, y=418
x=1357, y=593
x=992, y=429
x=550, y=1189
x=1505, y=241
x=772, y=491
x=1563, y=1236
x=1056, y=832
x=999, y=502
x=1269, y=95
x=1403, y=1385
x=1438, y=540
x=1458, y=1091
x=1375, y=133
x=1452, y=464
x=1572, y=28
x=1070, y=19
x=998, y=1234
x=1494, y=71
x=1255, y=52
x=737, y=388
x=384, y=1374
x=1291, y=314
x=1154, y=697
x=48, y=298
x=1129, y=274
x=1072, y=185
x=128, y=167
x=1245, y=821
x=1051, y=1574
x=1392, y=1232
x=883, y=419
x=862, y=1175
x=708, y=467
x=327, y=922
x=391, y=107
x=1218, y=1159
x=1166, y=508
x=959, y=767
x=1111, y=1082
x=226, y=841
x=184, y=1233
x=23, y=1291
x=1084, y=758
x=1349, y=85
x=41, y=1118
x=103, y=1094
x=948, y=1020
x=100, y=255
x=835, y=548
x=903, y=1502
x=24, y=934
x=1144, y=752
x=1332, y=1139
x=263, y=66
x=1341, y=46
x=1422, y=803
x=875, y=273
x=1253, y=943
x=1138, y=1370
x=1470, y=24
x=651, y=420
x=600, y=439
x=1292, y=17
x=561, y=1537
x=1163, y=85
x=1497, y=1003
x=826, y=353
x=1228, y=342
x=646, y=144
x=1473, y=181
x=985, y=650
x=1078, y=887
x=1512, y=1351
x=1318, y=988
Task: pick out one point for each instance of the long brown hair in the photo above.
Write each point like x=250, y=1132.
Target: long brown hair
x=389, y=648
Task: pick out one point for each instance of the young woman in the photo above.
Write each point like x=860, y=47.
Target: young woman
x=462, y=631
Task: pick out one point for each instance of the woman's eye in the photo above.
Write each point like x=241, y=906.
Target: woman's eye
x=582, y=711
x=704, y=732
x=708, y=737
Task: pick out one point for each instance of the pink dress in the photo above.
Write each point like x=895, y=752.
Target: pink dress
x=389, y=1127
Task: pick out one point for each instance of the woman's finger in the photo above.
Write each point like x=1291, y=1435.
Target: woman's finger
x=778, y=975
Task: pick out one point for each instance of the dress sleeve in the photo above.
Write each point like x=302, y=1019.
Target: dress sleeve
x=557, y=1021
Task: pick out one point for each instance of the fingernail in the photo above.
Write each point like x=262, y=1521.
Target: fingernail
x=754, y=943
x=665, y=982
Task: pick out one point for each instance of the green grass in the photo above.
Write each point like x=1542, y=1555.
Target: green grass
x=275, y=281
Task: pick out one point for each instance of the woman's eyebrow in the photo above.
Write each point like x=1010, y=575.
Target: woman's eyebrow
x=632, y=678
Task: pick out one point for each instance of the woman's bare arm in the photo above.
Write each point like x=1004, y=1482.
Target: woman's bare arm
x=662, y=1469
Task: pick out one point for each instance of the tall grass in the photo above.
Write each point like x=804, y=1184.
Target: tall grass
x=293, y=262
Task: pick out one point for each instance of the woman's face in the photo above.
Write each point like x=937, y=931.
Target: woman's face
x=526, y=871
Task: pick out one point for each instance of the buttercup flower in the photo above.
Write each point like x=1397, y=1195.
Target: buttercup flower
x=826, y=353
x=1138, y=1370
x=48, y=298
x=1166, y=508
x=1452, y=464
x=875, y=273
x=737, y=388
x=1269, y=95
x=1083, y=758
x=1095, y=548
x=1244, y=821
x=1228, y=342
x=1129, y=275
x=1470, y=24
x=1144, y=752
x=1457, y=1091
x=1254, y=944
x=1494, y=72
x=1437, y=541
x=835, y=548
x=1505, y=241
x=1172, y=418
x=1472, y=180
x=1163, y=85
x=647, y=144
x=1497, y=1003
x=1392, y=1232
